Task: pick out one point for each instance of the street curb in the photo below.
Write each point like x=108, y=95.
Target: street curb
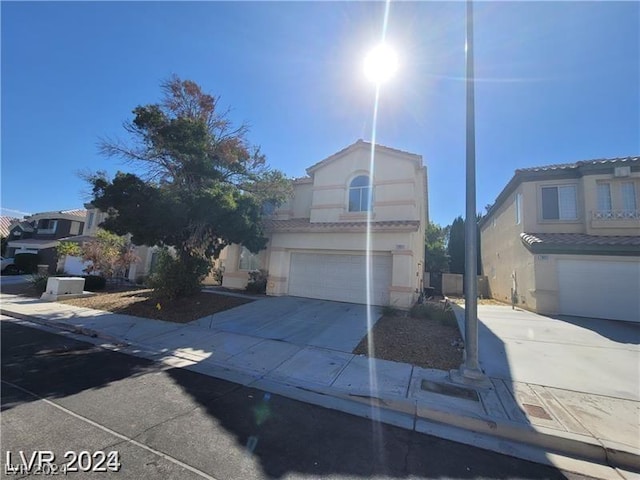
x=406, y=413
x=88, y=332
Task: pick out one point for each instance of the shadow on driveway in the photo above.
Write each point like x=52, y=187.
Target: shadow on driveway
x=225, y=429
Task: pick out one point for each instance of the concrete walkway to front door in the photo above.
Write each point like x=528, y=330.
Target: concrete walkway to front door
x=301, y=321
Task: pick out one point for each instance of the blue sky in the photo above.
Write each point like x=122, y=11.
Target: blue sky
x=557, y=82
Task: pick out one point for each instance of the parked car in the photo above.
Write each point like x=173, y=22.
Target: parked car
x=8, y=266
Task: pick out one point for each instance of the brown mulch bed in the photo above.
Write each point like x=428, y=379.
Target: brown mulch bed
x=423, y=342
x=141, y=303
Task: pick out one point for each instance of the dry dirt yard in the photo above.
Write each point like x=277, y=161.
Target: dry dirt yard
x=141, y=303
x=422, y=342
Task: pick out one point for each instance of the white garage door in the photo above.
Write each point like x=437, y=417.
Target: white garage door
x=339, y=277
x=600, y=289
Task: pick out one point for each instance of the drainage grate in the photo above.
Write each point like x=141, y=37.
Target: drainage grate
x=536, y=411
x=449, y=390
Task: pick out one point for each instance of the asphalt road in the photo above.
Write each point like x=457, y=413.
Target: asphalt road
x=60, y=394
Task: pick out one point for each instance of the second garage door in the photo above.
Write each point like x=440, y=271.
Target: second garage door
x=600, y=289
x=339, y=277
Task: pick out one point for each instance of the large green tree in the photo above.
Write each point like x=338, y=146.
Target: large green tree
x=201, y=185
x=436, y=257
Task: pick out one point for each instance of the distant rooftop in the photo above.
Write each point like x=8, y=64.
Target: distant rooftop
x=5, y=224
x=77, y=213
x=582, y=163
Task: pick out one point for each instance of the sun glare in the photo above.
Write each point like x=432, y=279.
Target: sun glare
x=380, y=64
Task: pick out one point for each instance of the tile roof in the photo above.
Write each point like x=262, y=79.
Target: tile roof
x=581, y=163
x=579, y=239
x=304, y=224
x=581, y=243
x=5, y=225
x=78, y=214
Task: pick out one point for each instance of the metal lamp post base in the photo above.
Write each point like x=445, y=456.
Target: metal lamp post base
x=470, y=376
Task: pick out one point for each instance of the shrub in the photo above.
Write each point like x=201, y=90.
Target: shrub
x=39, y=282
x=27, y=262
x=94, y=283
x=257, y=281
x=436, y=312
x=390, y=311
x=178, y=277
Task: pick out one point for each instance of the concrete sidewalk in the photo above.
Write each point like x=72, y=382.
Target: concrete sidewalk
x=581, y=432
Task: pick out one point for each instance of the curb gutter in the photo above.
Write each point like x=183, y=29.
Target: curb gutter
x=411, y=414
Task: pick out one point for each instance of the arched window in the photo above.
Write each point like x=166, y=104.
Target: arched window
x=359, y=194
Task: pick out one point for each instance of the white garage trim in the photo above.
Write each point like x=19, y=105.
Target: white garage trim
x=339, y=277
x=599, y=288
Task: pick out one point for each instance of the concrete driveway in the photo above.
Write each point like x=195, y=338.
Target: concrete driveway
x=301, y=321
x=572, y=353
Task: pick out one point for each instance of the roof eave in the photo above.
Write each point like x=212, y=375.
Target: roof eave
x=540, y=248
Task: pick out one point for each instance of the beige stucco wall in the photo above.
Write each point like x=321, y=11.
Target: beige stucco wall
x=503, y=253
x=397, y=187
x=505, y=260
x=233, y=276
x=98, y=218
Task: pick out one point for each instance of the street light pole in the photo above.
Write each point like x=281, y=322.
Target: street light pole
x=470, y=370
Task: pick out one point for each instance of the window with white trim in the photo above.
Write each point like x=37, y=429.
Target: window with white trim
x=604, y=197
x=518, y=208
x=559, y=202
x=248, y=260
x=628, y=191
x=360, y=194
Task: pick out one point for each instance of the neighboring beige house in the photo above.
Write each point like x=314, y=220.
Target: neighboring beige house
x=566, y=239
x=318, y=240
x=94, y=217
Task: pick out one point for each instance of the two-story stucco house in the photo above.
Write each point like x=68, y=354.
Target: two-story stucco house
x=318, y=240
x=566, y=239
x=136, y=272
x=39, y=234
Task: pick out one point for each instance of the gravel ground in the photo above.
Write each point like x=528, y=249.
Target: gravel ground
x=423, y=342
x=141, y=303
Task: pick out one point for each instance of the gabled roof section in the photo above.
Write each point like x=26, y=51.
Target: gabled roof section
x=24, y=226
x=561, y=171
x=581, y=244
x=417, y=159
